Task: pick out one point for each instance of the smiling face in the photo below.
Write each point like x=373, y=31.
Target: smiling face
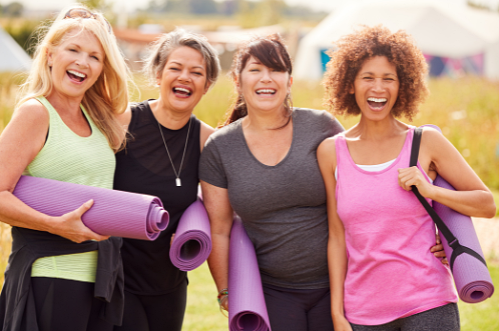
x=263, y=88
x=183, y=80
x=376, y=87
x=76, y=64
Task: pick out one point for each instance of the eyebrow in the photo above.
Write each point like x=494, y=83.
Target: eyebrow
x=181, y=64
x=372, y=73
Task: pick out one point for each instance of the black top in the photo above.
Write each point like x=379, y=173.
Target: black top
x=144, y=167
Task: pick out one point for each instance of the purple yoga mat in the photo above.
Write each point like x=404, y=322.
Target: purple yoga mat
x=247, y=309
x=471, y=276
x=114, y=213
x=192, y=243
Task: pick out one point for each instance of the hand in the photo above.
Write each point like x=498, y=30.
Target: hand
x=413, y=176
x=438, y=250
x=341, y=324
x=71, y=227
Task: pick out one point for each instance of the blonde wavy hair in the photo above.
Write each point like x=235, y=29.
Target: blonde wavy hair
x=108, y=96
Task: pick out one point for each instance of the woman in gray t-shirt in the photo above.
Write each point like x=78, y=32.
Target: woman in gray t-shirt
x=263, y=166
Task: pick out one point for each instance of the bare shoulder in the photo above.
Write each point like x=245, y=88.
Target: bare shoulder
x=205, y=131
x=33, y=111
x=433, y=140
x=125, y=117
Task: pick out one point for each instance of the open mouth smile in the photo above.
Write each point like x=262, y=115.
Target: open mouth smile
x=76, y=76
x=182, y=92
x=265, y=91
x=376, y=103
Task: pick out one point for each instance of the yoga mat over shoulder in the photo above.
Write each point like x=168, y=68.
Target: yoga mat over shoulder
x=247, y=309
x=471, y=276
x=114, y=213
x=192, y=243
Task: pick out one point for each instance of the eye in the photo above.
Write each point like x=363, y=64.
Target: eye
x=95, y=57
x=73, y=50
x=174, y=68
x=197, y=73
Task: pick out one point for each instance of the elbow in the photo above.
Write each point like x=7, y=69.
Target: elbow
x=489, y=209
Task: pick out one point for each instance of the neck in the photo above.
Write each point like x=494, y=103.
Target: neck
x=167, y=117
x=375, y=130
x=263, y=121
x=65, y=104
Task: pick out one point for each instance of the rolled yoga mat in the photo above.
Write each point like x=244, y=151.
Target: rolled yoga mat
x=247, y=309
x=114, y=213
x=192, y=243
x=471, y=276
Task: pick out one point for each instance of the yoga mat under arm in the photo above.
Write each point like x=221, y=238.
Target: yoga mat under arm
x=192, y=243
x=114, y=213
x=247, y=309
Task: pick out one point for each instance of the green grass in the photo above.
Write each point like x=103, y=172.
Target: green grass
x=483, y=316
x=202, y=312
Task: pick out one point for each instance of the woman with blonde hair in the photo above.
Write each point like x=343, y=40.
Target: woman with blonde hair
x=61, y=275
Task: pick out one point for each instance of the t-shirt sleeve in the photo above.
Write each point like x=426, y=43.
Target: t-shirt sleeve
x=211, y=169
x=330, y=125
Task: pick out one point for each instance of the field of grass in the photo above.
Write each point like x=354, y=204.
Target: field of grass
x=465, y=109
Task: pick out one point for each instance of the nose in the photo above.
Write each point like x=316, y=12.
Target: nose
x=82, y=61
x=184, y=75
x=378, y=85
x=266, y=78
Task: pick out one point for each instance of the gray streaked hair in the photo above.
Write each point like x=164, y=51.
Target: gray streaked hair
x=161, y=49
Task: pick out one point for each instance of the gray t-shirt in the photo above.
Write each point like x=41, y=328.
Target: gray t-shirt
x=283, y=207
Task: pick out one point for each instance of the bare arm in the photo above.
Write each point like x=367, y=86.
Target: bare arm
x=471, y=197
x=216, y=201
x=336, y=249
x=20, y=142
x=205, y=132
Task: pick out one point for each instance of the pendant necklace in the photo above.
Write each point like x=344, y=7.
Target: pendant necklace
x=178, y=182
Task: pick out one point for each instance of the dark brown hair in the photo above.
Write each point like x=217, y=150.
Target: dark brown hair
x=350, y=53
x=272, y=53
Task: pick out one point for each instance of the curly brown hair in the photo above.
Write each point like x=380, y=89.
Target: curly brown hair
x=350, y=53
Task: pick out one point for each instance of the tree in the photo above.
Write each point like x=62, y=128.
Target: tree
x=13, y=9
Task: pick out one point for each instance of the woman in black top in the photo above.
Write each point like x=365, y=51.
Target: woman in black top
x=161, y=158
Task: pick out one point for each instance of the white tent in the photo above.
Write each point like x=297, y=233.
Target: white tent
x=441, y=29
x=12, y=56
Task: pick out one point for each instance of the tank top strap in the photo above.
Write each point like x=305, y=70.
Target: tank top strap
x=405, y=153
x=342, y=153
x=54, y=118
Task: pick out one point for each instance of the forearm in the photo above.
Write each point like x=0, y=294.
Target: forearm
x=337, y=261
x=477, y=203
x=16, y=213
x=218, y=261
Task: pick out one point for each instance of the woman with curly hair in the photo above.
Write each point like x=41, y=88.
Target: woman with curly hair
x=381, y=278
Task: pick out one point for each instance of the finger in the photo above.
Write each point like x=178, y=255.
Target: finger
x=437, y=238
x=445, y=261
x=440, y=254
x=436, y=248
x=84, y=208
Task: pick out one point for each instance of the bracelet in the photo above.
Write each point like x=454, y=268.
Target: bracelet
x=222, y=294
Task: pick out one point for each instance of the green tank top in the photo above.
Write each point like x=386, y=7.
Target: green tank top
x=69, y=157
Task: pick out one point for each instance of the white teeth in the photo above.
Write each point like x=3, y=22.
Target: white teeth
x=377, y=99
x=265, y=91
x=182, y=89
x=76, y=73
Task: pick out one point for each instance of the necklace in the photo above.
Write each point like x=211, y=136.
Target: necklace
x=178, y=182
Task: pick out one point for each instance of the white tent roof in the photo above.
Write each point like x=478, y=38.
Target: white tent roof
x=12, y=56
x=440, y=28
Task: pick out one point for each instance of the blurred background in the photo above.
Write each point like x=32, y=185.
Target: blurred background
x=460, y=40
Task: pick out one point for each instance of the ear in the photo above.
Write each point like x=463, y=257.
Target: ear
x=237, y=84
x=207, y=87
x=49, y=57
x=352, y=89
x=290, y=83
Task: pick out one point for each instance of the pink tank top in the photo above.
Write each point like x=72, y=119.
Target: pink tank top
x=391, y=272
